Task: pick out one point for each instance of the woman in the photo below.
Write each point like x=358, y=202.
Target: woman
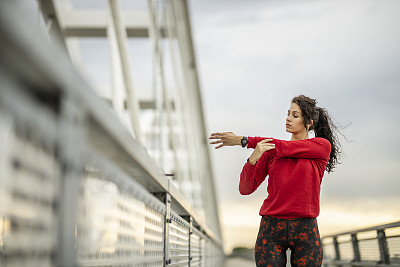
x=295, y=169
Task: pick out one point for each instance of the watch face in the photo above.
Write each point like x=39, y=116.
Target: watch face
x=244, y=141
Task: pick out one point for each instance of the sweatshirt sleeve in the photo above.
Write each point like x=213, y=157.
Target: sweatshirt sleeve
x=253, y=141
x=253, y=175
x=314, y=148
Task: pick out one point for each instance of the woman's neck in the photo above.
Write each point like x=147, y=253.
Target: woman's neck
x=299, y=136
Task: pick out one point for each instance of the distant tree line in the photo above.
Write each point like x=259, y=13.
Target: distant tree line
x=243, y=252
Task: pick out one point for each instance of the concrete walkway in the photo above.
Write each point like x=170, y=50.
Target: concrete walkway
x=238, y=262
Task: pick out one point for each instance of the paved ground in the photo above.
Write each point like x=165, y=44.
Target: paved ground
x=238, y=262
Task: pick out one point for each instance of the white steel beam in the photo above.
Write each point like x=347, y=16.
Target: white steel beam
x=133, y=103
x=117, y=87
x=197, y=120
x=168, y=137
x=93, y=23
x=51, y=18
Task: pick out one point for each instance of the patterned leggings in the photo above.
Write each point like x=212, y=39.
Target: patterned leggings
x=276, y=235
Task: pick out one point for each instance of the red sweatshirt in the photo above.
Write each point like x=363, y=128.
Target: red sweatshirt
x=295, y=170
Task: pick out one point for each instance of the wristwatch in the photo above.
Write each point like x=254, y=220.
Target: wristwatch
x=244, y=141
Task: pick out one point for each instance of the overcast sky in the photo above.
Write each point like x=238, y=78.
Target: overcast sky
x=255, y=56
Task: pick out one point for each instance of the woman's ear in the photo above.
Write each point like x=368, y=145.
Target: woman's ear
x=309, y=126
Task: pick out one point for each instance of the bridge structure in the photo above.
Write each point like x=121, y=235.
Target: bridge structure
x=104, y=149
x=110, y=172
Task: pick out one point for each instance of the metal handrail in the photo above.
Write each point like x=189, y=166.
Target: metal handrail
x=373, y=228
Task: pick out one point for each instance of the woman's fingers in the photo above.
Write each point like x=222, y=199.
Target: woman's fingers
x=219, y=135
x=265, y=147
x=226, y=138
x=272, y=146
x=269, y=145
x=265, y=141
x=221, y=145
x=216, y=136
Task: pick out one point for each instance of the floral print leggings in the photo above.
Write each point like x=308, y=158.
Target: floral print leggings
x=300, y=235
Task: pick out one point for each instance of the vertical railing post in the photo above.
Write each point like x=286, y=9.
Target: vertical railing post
x=356, y=248
x=337, y=252
x=201, y=258
x=166, y=198
x=190, y=240
x=71, y=132
x=189, y=219
x=167, y=222
x=383, y=247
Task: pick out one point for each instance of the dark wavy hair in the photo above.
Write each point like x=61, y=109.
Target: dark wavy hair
x=322, y=125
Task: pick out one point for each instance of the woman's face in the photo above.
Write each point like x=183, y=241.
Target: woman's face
x=295, y=120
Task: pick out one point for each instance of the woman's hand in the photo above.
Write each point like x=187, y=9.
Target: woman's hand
x=226, y=139
x=261, y=147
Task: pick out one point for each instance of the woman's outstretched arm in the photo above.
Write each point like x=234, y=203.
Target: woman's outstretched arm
x=225, y=139
x=319, y=147
x=231, y=139
x=315, y=148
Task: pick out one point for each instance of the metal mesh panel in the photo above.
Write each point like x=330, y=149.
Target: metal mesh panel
x=394, y=248
x=215, y=257
x=329, y=251
x=346, y=251
x=195, y=246
x=206, y=259
x=179, y=241
x=369, y=250
x=116, y=228
x=29, y=183
x=203, y=248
